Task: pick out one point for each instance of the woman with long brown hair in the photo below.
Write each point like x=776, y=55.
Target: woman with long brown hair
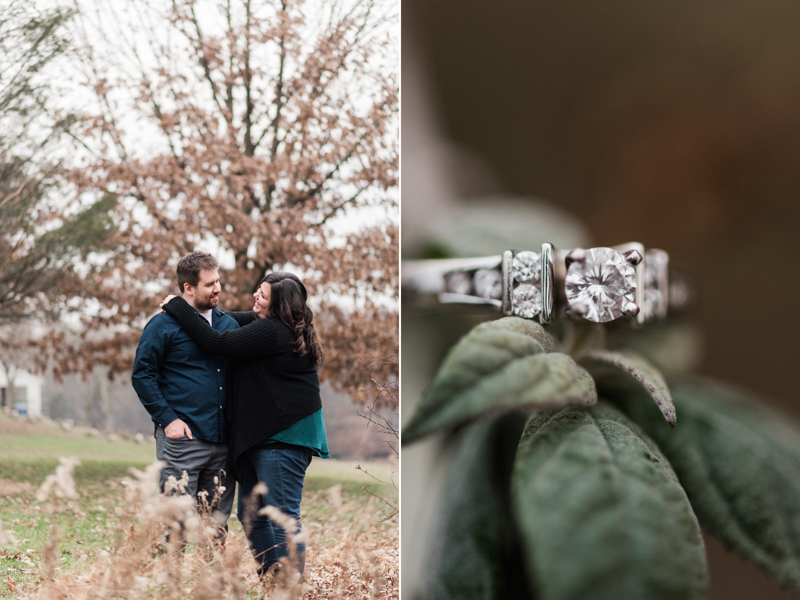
x=274, y=407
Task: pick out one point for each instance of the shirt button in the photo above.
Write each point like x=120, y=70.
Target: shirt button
x=217, y=370
x=220, y=388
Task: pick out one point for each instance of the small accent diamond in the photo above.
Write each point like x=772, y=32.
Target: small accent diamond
x=527, y=266
x=655, y=274
x=652, y=301
x=527, y=301
x=488, y=283
x=652, y=295
x=603, y=283
x=459, y=282
x=650, y=273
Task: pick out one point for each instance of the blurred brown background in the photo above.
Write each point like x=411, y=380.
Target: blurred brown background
x=675, y=124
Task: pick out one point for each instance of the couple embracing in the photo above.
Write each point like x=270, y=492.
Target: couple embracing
x=235, y=395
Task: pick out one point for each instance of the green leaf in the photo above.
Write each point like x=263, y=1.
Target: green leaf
x=740, y=465
x=474, y=553
x=617, y=371
x=602, y=513
x=500, y=365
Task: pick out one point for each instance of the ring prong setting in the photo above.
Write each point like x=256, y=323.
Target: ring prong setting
x=633, y=257
x=630, y=309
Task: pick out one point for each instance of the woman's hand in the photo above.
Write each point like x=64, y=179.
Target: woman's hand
x=165, y=300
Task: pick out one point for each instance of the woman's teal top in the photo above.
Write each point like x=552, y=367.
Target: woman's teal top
x=308, y=432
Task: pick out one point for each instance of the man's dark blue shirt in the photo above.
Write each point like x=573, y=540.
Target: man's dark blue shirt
x=175, y=379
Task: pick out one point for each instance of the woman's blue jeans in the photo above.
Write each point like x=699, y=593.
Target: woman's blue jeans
x=283, y=470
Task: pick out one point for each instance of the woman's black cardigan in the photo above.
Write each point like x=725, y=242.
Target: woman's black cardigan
x=270, y=387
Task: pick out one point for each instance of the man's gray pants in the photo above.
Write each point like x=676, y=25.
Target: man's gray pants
x=202, y=461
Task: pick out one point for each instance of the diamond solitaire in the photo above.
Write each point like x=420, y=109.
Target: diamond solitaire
x=601, y=284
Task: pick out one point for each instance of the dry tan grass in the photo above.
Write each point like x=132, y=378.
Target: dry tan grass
x=357, y=558
x=351, y=553
x=11, y=488
x=17, y=425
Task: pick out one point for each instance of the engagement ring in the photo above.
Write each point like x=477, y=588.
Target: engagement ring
x=596, y=284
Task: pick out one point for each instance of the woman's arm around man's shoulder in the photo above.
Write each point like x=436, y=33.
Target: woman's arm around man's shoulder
x=254, y=341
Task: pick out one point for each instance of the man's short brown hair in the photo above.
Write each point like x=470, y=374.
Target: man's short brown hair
x=189, y=268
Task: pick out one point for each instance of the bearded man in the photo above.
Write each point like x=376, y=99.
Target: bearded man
x=183, y=388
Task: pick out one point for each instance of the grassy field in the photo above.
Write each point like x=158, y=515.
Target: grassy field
x=67, y=544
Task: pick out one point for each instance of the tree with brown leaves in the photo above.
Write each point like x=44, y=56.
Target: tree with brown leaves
x=41, y=238
x=255, y=129
x=46, y=235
